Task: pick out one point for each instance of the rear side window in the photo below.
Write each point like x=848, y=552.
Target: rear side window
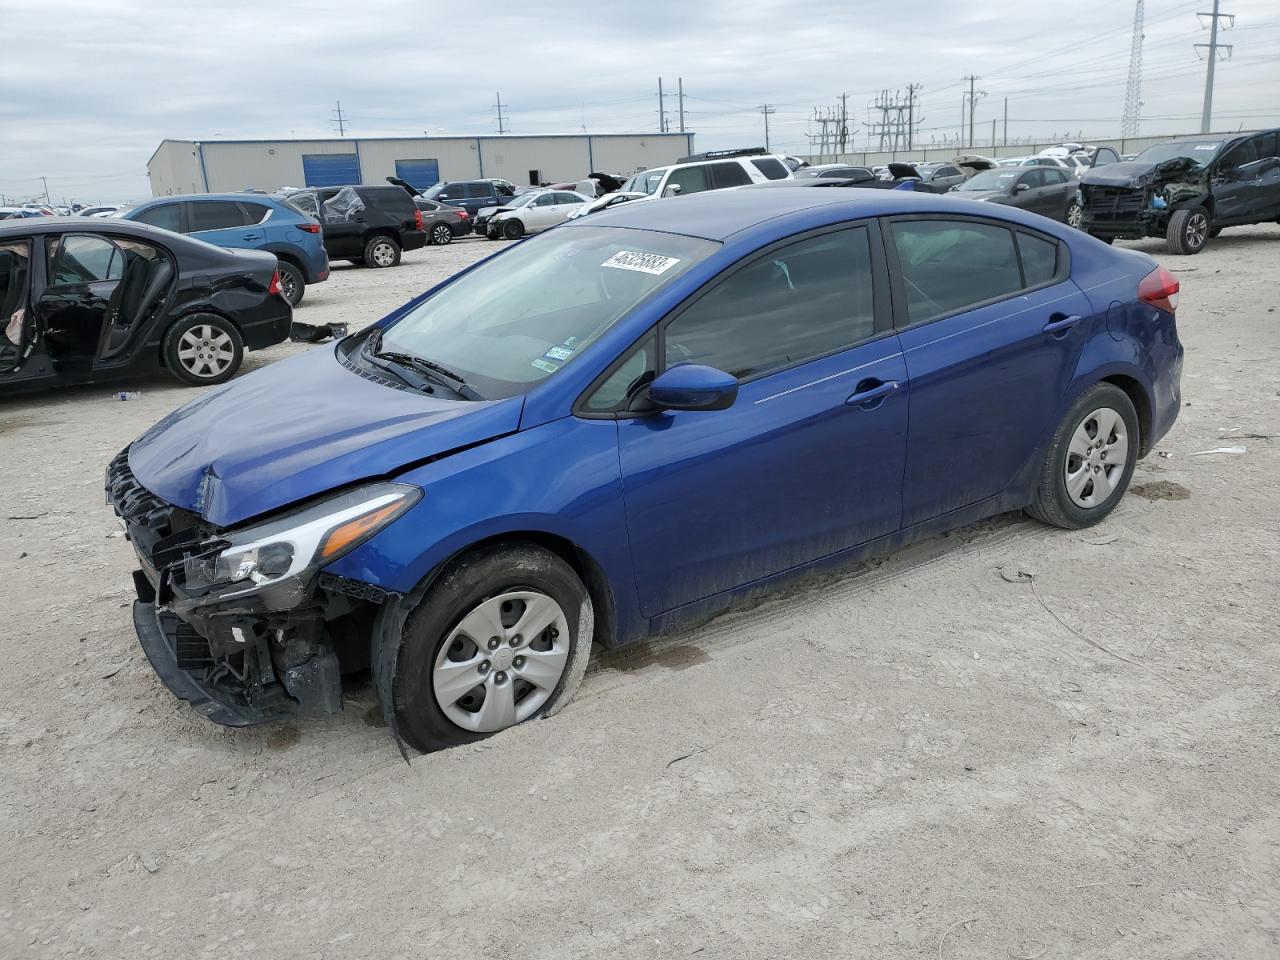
x=727, y=175
x=479, y=191
x=213, y=215
x=166, y=216
x=254, y=212
x=389, y=200
x=771, y=167
x=84, y=259
x=946, y=172
x=1039, y=259
x=798, y=302
x=949, y=265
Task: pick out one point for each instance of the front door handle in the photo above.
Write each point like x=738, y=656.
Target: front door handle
x=1059, y=326
x=252, y=236
x=870, y=393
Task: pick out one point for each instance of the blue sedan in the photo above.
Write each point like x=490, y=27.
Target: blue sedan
x=618, y=427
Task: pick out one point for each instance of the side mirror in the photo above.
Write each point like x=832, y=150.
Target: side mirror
x=1022, y=188
x=692, y=386
x=672, y=190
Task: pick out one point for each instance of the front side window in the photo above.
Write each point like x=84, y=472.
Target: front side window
x=519, y=317
x=1053, y=177
x=80, y=258
x=166, y=216
x=547, y=200
x=688, y=179
x=949, y=265
x=15, y=281
x=213, y=215
x=796, y=303
x=1036, y=178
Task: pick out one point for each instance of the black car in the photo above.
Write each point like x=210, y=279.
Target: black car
x=86, y=299
x=367, y=224
x=1048, y=191
x=471, y=195
x=1186, y=190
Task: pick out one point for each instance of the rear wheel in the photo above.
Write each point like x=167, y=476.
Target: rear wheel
x=441, y=234
x=1075, y=213
x=291, y=283
x=1090, y=460
x=513, y=229
x=502, y=637
x=203, y=349
x=381, y=251
x=1188, y=230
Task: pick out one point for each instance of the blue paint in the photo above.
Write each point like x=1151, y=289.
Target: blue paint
x=681, y=510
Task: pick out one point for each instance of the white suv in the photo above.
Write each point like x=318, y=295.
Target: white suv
x=708, y=172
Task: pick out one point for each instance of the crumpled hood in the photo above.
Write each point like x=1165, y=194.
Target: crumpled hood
x=297, y=429
x=1127, y=173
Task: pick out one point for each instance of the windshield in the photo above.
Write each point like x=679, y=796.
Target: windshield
x=646, y=182
x=1199, y=152
x=518, y=318
x=523, y=200
x=990, y=180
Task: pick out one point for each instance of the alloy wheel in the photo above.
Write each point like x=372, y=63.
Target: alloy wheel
x=206, y=351
x=502, y=662
x=1197, y=231
x=1096, y=458
x=384, y=255
x=1075, y=215
x=288, y=286
x=441, y=234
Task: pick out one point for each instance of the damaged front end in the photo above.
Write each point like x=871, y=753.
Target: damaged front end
x=243, y=623
x=1123, y=202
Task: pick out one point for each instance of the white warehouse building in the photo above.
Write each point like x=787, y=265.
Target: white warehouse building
x=228, y=166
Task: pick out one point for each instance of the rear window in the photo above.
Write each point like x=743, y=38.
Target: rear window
x=771, y=167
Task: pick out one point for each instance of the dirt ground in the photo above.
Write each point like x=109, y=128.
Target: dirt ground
x=932, y=755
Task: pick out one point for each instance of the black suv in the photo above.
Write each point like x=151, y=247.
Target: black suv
x=472, y=195
x=1185, y=190
x=367, y=224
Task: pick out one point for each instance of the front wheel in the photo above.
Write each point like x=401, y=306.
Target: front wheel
x=1188, y=230
x=203, y=349
x=441, y=234
x=513, y=229
x=1075, y=214
x=381, y=251
x=1090, y=460
x=503, y=636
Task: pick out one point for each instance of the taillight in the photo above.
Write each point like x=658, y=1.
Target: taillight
x=274, y=287
x=1160, y=289
x=309, y=227
x=462, y=214
x=417, y=219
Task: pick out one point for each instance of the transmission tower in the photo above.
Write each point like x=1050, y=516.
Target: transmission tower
x=1212, y=48
x=1133, y=89
x=897, y=119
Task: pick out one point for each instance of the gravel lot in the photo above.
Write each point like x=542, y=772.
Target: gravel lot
x=1080, y=765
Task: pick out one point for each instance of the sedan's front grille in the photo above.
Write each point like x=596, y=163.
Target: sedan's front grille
x=154, y=526
x=1113, y=203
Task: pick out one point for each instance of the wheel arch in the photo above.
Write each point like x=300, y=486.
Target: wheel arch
x=1141, y=401
x=189, y=311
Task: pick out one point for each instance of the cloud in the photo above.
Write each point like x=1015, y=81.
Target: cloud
x=90, y=88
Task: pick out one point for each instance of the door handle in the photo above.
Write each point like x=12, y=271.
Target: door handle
x=1059, y=326
x=870, y=393
x=252, y=236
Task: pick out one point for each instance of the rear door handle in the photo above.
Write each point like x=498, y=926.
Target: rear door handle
x=252, y=236
x=1060, y=325
x=871, y=391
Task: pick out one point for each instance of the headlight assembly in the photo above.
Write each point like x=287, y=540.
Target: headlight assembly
x=284, y=552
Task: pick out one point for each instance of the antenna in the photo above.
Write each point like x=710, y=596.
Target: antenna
x=1133, y=89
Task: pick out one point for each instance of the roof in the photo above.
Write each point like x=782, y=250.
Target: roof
x=719, y=214
x=35, y=226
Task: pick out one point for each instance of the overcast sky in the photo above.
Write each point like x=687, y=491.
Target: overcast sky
x=88, y=88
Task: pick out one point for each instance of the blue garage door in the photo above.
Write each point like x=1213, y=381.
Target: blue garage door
x=418, y=173
x=330, y=169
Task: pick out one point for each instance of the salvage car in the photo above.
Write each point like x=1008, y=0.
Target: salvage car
x=1186, y=190
x=1047, y=191
x=605, y=202
x=369, y=225
x=86, y=300
x=532, y=212
x=619, y=427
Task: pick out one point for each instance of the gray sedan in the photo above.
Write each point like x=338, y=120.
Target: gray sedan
x=1049, y=191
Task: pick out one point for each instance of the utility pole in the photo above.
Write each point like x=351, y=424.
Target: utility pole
x=973, y=96
x=767, y=109
x=680, y=88
x=46, y=191
x=502, y=121
x=844, y=122
x=912, y=119
x=1206, y=118
x=1133, y=89
x=993, y=133
x=662, y=109
x=340, y=119
x=1006, y=121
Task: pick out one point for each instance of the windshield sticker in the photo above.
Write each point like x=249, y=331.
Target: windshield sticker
x=544, y=366
x=1206, y=146
x=558, y=353
x=653, y=263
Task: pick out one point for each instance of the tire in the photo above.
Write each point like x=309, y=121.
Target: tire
x=432, y=709
x=441, y=234
x=381, y=251
x=1075, y=466
x=1075, y=214
x=1188, y=230
x=292, y=284
x=203, y=349
x=512, y=229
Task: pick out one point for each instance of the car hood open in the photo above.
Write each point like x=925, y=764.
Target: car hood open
x=299, y=428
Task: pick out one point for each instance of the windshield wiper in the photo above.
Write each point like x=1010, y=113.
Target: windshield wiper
x=435, y=371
